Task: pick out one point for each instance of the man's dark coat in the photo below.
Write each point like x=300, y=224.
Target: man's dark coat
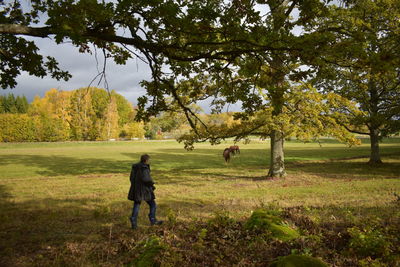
x=142, y=185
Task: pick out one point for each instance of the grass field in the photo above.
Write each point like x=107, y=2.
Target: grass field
x=64, y=204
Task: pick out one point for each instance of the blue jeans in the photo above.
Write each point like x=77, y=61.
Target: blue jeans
x=152, y=213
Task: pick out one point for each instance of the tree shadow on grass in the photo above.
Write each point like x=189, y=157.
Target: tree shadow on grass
x=171, y=160
x=62, y=165
x=200, y=159
x=175, y=166
x=61, y=231
x=38, y=231
x=208, y=162
x=48, y=231
x=255, y=155
x=347, y=169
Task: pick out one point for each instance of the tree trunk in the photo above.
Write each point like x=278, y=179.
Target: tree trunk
x=375, y=157
x=277, y=167
x=375, y=121
x=277, y=90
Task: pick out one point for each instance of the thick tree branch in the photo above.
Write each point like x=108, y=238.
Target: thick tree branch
x=173, y=51
x=186, y=110
x=240, y=134
x=5, y=53
x=17, y=29
x=352, y=130
x=290, y=9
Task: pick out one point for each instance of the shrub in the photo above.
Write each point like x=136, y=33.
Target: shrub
x=171, y=215
x=221, y=219
x=368, y=262
x=368, y=242
x=152, y=247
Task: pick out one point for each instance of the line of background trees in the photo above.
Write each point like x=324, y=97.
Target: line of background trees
x=89, y=114
x=82, y=114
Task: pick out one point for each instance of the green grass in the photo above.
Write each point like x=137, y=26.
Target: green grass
x=58, y=200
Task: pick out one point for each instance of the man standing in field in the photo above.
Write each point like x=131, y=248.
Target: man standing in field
x=142, y=189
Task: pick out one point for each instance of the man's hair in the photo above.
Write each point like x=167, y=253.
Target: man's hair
x=144, y=158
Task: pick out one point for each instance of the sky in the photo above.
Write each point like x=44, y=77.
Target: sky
x=124, y=79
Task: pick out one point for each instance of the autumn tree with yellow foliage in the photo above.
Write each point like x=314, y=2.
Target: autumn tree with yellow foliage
x=82, y=114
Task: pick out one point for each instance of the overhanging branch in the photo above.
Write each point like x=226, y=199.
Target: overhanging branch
x=353, y=131
x=173, y=51
x=17, y=29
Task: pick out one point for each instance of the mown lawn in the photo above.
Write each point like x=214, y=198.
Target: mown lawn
x=64, y=204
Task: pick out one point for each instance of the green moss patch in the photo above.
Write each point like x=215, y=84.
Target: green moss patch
x=269, y=221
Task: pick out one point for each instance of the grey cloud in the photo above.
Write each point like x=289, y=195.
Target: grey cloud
x=124, y=79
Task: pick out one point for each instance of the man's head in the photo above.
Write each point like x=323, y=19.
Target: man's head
x=144, y=158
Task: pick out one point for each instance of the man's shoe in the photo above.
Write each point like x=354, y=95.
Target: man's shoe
x=133, y=223
x=155, y=222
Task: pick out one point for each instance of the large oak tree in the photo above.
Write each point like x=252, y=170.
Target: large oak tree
x=229, y=51
x=362, y=63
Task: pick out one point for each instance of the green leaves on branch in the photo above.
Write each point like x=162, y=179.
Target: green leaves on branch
x=306, y=115
x=18, y=54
